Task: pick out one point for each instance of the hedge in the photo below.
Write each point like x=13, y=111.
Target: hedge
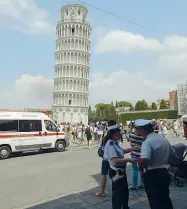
x=168, y=114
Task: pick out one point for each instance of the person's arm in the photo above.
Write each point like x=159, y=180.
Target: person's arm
x=128, y=150
x=145, y=156
x=123, y=160
x=114, y=157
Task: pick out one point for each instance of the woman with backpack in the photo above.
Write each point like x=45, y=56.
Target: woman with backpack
x=88, y=136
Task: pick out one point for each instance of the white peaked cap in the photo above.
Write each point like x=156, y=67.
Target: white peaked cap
x=142, y=122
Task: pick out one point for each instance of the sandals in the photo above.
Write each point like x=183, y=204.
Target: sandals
x=99, y=194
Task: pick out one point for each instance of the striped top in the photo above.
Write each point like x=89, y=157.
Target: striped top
x=135, y=140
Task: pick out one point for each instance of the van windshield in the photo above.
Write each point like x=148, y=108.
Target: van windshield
x=50, y=126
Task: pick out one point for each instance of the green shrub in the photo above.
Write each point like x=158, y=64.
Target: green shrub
x=168, y=114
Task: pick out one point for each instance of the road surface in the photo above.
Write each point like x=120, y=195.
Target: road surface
x=33, y=179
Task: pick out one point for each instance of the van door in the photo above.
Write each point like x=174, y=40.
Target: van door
x=51, y=134
x=30, y=132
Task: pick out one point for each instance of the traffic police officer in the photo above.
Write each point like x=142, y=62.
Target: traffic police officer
x=117, y=172
x=153, y=162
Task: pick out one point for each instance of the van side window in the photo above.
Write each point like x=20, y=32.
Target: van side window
x=8, y=125
x=50, y=126
x=30, y=125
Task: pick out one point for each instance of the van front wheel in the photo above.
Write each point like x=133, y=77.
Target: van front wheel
x=5, y=152
x=60, y=146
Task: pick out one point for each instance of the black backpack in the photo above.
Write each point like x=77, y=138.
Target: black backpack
x=101, y=150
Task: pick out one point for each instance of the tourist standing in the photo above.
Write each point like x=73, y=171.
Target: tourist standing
x=175, y=127
x=95, y=132
x=155, y=126
x=136, y=140
x=164, y=129
x=100, y=131
x=88, y=136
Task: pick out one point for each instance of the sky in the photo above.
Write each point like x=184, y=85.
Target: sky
x=142, y=55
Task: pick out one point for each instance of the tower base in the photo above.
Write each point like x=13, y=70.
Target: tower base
x=72, y=115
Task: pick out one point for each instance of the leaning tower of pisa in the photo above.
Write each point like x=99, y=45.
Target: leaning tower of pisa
x=72, y=65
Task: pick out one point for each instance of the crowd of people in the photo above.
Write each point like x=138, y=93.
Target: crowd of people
x=95, y=130
x=79, y=132
x=149, y=153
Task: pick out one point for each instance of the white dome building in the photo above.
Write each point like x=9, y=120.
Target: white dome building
x=72, y=65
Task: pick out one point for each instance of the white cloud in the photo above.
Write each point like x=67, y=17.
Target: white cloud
x=36, y=91
x=28, y=92
x=126, y=42
x=174, y=43
x=25, y=16
x=169, y=67
x=117, y=40
x=121, y=85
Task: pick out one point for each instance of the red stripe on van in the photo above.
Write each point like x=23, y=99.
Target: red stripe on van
x=30, y=135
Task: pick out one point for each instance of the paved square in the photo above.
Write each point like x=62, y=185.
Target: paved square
x=54, y=181
x=87, y=200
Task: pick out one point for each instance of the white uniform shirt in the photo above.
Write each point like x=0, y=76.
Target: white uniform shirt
x=114, y=150
x=156, y=149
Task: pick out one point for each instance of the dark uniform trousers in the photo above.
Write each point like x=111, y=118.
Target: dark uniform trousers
x=156, y=184
x=120, y=192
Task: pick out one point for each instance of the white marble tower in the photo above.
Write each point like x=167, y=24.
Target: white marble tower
x=72, y=65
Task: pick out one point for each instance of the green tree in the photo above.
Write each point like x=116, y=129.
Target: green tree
x=141, y=105
x=124, y=104
x=102, y=108
x=111, y=112
x=128, y=116
x=153, y=106
x=163, y=104
x=89, y=110
x=106, y=113
x=90, y=114
x=116, y=104
x=98, y=115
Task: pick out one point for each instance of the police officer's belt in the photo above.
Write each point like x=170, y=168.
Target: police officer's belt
x=157, y=167
x=120, y=173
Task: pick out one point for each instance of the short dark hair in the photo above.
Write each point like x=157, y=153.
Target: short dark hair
x=106, y=138
x=108, y=135
x=148, y=128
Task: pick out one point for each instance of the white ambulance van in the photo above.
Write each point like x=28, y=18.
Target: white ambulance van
x=29, y=131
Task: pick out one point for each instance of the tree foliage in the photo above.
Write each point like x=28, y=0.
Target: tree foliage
x=105, y=111
x=98, y=113
x=124, y=104
x=153, y=106
x=169, y=114
x=141, y=105
x=90, y=114
x=163, y=104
